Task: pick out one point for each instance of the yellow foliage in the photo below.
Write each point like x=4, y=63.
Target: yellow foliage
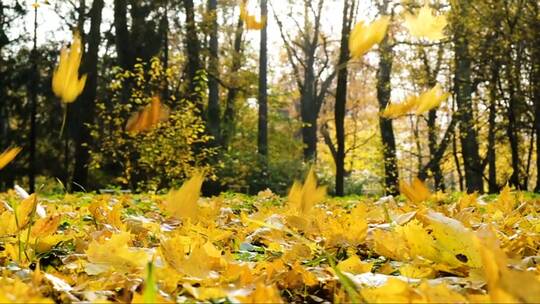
x=182, y=203
x=426, y=24
x=66, y=83
x=250, y=21
x=7, y=156
x=262, y=294
x=365, y=36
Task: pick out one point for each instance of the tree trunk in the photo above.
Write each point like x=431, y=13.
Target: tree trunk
x=213, y=111
x=262, y=135
x=536, y=92
x=230, y=109
x=86, y=104
x=341, y=98
x=491, y=156
x=33, y=108
x=387, y=130
x=192, y=43
x=511, y=129
x=463, y=90
x=123, y=42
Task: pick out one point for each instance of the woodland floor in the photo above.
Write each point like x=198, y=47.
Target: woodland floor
x=237, y=248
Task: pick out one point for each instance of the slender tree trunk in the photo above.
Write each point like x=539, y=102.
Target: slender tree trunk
x=384, y=90
x=511, y=129
x=456, y=161
x=123, y=42
x=213, y=112
x=341, y=98
x=536, y=92
x=262, y=138
x=193, y=47
x=86, y=103
x=230, y=109
x=491, y=156
x=463, y=89
x=33, y=107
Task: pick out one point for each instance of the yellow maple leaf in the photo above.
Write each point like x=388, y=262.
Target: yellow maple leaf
x=505, y=285
x=416, y=192
x=364, y=36
x=116, y=253
x=182, y=203
x=66, y=83
x=46, y=226
x=26, y=210
x=7, y=156
x=354, y=265
x=426, y=24
x=453, y=241
x=302, y=198
x=262, y=294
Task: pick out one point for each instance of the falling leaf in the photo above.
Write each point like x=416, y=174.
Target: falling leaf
x=302, y=198
x=182, y=203
x=416, y=192
x=426, y=24
x=365, y=36
x=250, y=21
x=66, y=83
x=7, y=156
x=148, y=117
x=421, y=104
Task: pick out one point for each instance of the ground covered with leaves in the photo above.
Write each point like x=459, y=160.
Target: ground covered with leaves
x=302, y=248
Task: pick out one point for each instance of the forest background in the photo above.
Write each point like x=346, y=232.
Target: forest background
x=255, y=107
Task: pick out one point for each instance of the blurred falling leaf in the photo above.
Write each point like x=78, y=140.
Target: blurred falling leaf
x=148, y=117
x=250, y=21
x=66, y=83
x=182, y=203
x=365, y=36
x=7, y=156
x=303, y=197
x=421, y=104
x=426, y=24
x=416, y=192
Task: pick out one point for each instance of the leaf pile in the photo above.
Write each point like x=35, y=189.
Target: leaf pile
x=234, y=248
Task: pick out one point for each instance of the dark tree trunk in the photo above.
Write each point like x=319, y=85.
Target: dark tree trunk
x=491, y=156
x=341, y=98
x=193, y=47
x=463, y=90
x=85, y=106
x=33, y=108
x=213, y=111
x=123, y=42
x=262, y=134
x=387, y=130
x=230, y=109
x=512, y=129
x=536, y=92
